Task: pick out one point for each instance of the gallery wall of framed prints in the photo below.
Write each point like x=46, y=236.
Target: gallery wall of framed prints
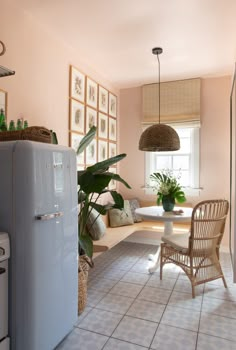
x=92, y=104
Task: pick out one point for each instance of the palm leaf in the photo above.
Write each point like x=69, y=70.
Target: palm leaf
x=105, y=164
x=86, y=140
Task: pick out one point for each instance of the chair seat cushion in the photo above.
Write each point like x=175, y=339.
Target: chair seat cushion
x=178, y=241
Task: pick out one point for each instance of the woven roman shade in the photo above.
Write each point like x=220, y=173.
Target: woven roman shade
x=179, y=103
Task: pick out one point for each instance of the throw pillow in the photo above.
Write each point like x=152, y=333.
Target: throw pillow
x=122, y=217
x=95, y=225
x=134, y=204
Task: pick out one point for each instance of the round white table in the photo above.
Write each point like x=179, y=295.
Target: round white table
x=156, y=213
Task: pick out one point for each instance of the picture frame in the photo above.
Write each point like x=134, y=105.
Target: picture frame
x=112, y=152
x=112, y=184
x=77, y=84
x=91, y=153
x=112, y=105
x=102, y=99
x=3, y=102
x=91, y=118
x=74, y=143
x=91, y=93
x=112, y=129
x=77, y=116
x=102, y=126
x=102, y=150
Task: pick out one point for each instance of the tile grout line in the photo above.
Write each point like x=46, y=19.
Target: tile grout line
x=128, y=308
x=119, y=280
x=200, y=317
x=163, y=311
x=136, y=298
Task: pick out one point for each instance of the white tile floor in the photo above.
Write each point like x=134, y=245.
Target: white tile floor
x=129, y=309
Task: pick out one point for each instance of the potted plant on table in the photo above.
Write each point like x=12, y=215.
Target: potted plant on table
x=168, y=189
x=93, y=182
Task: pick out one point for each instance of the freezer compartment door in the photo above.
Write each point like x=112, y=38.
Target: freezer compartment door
x=46, y=267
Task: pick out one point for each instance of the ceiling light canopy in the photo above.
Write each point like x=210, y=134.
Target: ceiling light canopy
x=159, y=137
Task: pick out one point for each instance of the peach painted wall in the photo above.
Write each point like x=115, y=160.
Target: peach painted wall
x=214, y=142
x=39, y=91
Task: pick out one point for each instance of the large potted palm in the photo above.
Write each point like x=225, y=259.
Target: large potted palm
x=93, y=183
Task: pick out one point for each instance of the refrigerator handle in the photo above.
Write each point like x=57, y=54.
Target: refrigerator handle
x=49, y=216
x=2, y=270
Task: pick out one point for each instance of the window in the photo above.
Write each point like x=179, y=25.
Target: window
x=185, y=161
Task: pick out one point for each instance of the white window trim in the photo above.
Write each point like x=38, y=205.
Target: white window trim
x=193, y=191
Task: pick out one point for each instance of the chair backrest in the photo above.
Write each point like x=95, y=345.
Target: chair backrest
x=207, y=225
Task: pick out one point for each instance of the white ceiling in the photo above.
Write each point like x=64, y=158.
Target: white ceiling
x=115, y=37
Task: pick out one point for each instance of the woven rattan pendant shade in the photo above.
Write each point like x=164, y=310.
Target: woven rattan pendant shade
x=159, y=138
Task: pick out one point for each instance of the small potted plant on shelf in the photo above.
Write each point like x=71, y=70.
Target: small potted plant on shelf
x=93, y=182
x=169, y=190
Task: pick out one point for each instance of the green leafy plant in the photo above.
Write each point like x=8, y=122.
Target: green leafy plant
x=166, y=184
x=92, y=184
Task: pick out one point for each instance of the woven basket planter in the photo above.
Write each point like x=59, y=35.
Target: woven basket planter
x=84, y=264
x=33, y=133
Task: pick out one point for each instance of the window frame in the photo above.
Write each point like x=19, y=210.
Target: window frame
x=194, y=188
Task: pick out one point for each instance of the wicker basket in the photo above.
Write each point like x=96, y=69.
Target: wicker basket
x=82, y=282
x=33, y=133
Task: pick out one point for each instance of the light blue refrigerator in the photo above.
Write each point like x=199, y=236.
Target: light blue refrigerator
x=38, y=208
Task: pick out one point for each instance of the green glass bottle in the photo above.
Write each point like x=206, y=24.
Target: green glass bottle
x=4, y=125
x=19, y=124
x=25, y=124
x=2, y=117
x=12, y=126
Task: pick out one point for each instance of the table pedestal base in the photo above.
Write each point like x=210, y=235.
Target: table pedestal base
x=155, y=258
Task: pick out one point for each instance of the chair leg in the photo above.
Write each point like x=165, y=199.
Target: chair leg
x=193, y=290
x=161, y=264
x=224, y=281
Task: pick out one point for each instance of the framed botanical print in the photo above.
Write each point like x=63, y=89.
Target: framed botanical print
x=3, y=102
x=102, y=150
x=91, y=93
x=77, y=84
x=77, y=118
x=91, y=118
x=74, y=143
x=112, y=105
x=112, y=129
x=91, y=153
x=112, y=184
x=102, y=126
x=102, y=100
x=111, y=149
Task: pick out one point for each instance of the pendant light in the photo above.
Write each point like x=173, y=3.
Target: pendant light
x=159, y=137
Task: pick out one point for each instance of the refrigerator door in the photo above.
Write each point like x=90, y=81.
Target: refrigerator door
x=44, y=269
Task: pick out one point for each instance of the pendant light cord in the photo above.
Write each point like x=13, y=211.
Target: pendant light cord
x=159, y=89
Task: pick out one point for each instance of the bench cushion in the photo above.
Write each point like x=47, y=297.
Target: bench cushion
x=95, y=225
x=122, y=217
x=134, y=204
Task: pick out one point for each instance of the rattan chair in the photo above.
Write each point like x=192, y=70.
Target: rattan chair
x=197, y=252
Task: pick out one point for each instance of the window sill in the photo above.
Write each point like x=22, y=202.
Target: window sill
x=189, y=192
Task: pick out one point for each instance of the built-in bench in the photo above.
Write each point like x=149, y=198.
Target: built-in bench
x=115, y=235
